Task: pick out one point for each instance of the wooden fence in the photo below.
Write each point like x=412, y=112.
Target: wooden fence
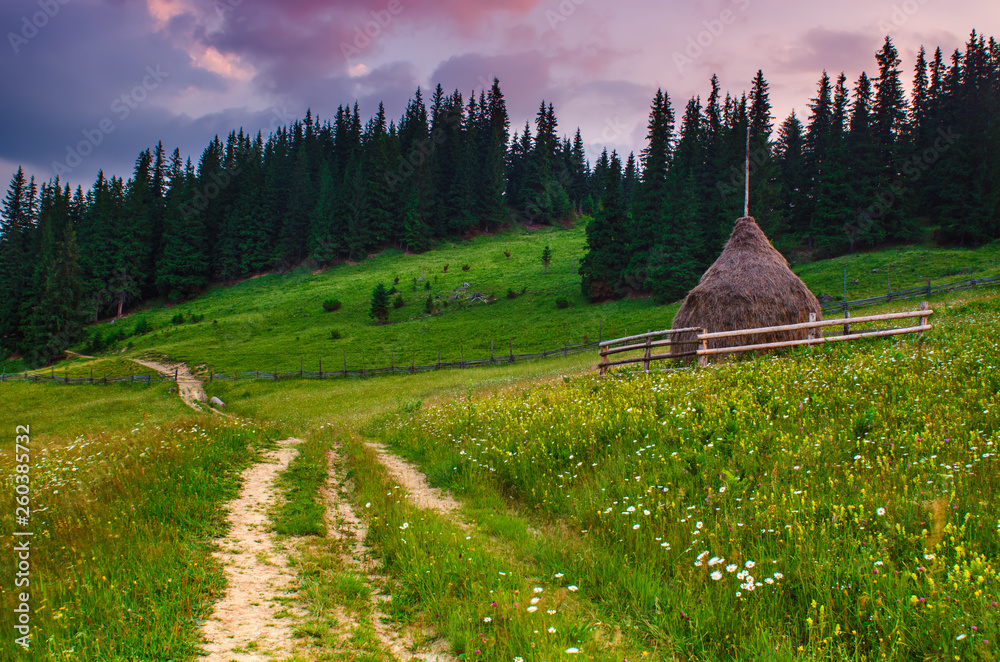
x=608, y=348
x=327, y=372
x=911, y=293
x=814, y=337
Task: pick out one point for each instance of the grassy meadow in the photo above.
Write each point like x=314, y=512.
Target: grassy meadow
x=126, y=486
x=833, y=503
x=829, y=503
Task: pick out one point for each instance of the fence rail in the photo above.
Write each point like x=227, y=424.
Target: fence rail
x=911, y=293
x=814, y=337
x=321, y=373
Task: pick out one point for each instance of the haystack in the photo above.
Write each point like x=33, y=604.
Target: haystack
x=748, y=286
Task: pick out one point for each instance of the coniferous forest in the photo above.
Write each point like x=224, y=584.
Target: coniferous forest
x=869, y=165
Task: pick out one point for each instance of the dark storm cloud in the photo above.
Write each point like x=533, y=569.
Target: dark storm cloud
x=95, y=73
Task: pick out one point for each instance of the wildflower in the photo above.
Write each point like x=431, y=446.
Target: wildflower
x=532, y=608
x=573, y=587
x=572, y=651
x=880, y=511
x=406, y=525
x=645, y=512
x=779, y=576
x=698, y=525
x=715, y=560
x=749, y=564
x=518, y=659
x=558, y=575
x=488, y=619
x=929, y=557
x=534, y=601
x=635, y=526
x=716, y=575
x=960, y=637
x=731, y=567
x=739, y=593
x=552, y=630
x=538, y=589
x=768, y=580
x=368, y=505
x=550, y=612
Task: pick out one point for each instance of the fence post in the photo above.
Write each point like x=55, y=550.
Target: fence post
x=491, y=351
x=413, y=364
x=565, y=349
x=105, y=379
x=300, y=367
x=256, y=374
x=175, y=375
x=812, y=331
x=392, y=363
x=439, y=361
x=275, y=373
x=928, y=287
x=321, y=368
x=345, y=364
x=91, y=374
x=211, y=375
x=510, y=346
x=461, y=355
x=362, y=364
x=645, y=364
x=847, y=325
x=922, y=320
x=603, y=353
x=703, y=359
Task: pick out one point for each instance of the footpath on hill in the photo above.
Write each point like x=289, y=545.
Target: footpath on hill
x=244, y=625
x=189, y=387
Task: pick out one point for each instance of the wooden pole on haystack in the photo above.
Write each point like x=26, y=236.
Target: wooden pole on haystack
x=746, y=178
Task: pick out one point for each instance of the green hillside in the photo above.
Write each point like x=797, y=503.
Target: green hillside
x=274, y=320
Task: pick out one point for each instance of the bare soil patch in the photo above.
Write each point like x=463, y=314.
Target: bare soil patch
x=344, y=524
x=245, y=625
x=414, y=482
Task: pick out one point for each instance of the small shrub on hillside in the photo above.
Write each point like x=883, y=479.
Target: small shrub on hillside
x=95, y=343
x=445, y=268
x=511, y=294
x=465, y=267
x=379, y=304
x=506, y=254
x=398, y=302
x=177, y=318
x=427, y=285
x=335, y=334
x=561, y=302
x=196, y=318
x=142, y=327
x=429, y=305
x=393, y=290
x=331, y=305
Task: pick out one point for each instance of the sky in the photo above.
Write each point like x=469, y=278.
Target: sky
x=88, y=84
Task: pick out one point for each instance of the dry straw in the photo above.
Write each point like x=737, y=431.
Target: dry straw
x=748, y=286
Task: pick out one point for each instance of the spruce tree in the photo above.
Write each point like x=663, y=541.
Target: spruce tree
x=379, y=304
x=607, y=240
